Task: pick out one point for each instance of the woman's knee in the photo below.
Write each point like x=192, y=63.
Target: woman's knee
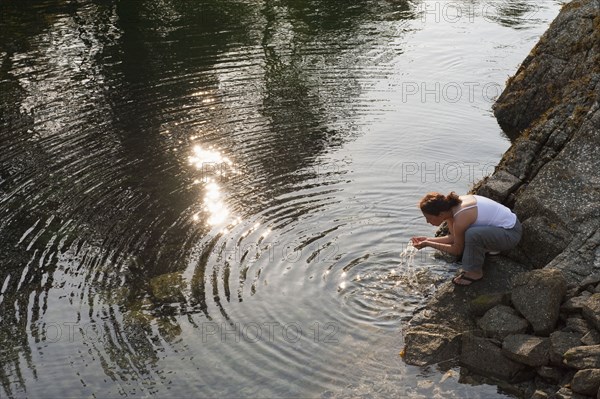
x=472, y=235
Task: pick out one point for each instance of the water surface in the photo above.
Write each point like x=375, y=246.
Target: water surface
x=210, y=198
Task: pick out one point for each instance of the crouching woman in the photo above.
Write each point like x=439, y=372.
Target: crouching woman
x=476, y=225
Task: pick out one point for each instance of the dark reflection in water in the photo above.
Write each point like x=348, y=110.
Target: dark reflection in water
x=153, y=154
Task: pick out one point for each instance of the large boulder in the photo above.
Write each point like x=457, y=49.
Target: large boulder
x=549, y=177
x=563, y=54
x=537, y=295
x=484, y=357
x=527, y=349
x=550, y=110
x=540, y=231
x=501, y=321
x=581, y=260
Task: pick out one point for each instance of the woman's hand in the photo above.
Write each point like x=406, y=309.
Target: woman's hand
x=418, y=242
x=421, y=244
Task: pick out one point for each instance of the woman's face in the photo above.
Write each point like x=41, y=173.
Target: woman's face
x=433, y=219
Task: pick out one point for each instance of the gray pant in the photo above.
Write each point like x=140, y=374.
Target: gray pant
x=482, y=239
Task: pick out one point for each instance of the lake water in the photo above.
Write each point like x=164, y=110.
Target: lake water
x=210, y=198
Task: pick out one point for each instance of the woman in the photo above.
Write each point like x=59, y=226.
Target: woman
x=476, y=224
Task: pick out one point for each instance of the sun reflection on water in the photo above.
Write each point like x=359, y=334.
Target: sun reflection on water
x=213, y=166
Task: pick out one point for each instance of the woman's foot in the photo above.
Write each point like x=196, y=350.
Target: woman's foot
x=467, y=278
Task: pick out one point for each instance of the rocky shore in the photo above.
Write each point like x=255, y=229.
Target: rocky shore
x=532, y=325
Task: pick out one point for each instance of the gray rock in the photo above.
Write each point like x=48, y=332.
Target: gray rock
x=551, y=112
x=586, y=382
x=581, y=258
x=591, y=310
x=525, y=99
x=566, y=393
x=449, y=309
x=577, y=325
x=480, y=305
x=574, y=305
x=430, y=344
x=591, y=338
x=560, y=343
x=583, y=357
x=499, y=186
x=527, y=349
x=542, y=232
x=594, y=279
x=483, y=357
x=537, y=295
x=550, y=374
x=501, y=321
x=539, y=394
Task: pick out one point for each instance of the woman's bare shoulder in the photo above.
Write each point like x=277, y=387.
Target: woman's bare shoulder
x=467, y=200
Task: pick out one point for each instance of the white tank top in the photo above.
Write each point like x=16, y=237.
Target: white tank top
x=491, y=213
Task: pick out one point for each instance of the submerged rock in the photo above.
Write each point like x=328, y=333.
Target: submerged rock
x=167, y=288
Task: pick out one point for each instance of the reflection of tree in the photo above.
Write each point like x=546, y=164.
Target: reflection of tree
x=118, y=204
x=18, y=164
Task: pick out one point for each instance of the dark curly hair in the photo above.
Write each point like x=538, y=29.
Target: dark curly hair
x=436, y=203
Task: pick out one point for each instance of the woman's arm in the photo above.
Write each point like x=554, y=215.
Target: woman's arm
x=442, y=240
x=455, y=247
x=417, y=242
x=449, y=248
